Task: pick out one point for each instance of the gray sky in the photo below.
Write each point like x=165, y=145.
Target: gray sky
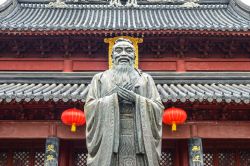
x=246, y=2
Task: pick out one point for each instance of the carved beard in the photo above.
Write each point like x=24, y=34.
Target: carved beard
x=122, y=74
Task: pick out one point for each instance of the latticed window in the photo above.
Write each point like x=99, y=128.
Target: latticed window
x=245, y=158
x=22, y=152
x=167, y=158
x=39, y=158
x=3, y=158
x=22, y=157
x=227, y=157
x=80, y=158
x=208, y=159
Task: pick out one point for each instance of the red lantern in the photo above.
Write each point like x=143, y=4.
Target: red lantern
x=174, y=116
x=73, y=117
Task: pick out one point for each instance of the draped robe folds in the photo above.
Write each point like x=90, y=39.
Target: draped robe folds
x=102, y=120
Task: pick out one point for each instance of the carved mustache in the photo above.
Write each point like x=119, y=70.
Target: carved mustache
x=124, y=58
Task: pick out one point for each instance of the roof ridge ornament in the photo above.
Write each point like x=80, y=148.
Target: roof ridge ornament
x=190, y=4
x=133, y=3
x=57, y=4
x=117, y=3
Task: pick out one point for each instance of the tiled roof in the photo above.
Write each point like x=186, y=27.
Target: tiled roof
x=169, y=92
x=42, y=91
x=40, y=17
x=205, y=92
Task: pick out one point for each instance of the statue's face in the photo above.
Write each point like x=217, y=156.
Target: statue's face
x=123, y=53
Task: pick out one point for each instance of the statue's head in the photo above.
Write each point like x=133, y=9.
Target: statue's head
x=123, y=52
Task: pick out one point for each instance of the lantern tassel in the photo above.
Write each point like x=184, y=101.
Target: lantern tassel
x=174, y=127
x=73, y=127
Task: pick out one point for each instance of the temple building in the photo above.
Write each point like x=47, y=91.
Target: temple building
x=198, y=53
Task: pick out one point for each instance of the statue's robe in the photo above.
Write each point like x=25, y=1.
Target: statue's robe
x=103, y=121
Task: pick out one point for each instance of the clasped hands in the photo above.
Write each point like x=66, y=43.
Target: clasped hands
x=125, y=92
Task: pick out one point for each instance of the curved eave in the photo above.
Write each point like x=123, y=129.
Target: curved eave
x=170, y=93
x=8, y=8
x=172, y=87
x=240, y=8
x=150, y=19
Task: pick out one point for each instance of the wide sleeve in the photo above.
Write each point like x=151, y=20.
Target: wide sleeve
x=100, y=119
x=154, y=108
x=150, y=108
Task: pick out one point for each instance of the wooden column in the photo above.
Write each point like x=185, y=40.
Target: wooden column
x=51, y=151
x=195, y=152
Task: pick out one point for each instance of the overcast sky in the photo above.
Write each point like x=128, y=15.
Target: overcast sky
x=2, y=1
x=246, y=2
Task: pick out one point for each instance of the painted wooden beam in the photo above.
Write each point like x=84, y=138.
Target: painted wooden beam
x=146, y=64
x=208, y=130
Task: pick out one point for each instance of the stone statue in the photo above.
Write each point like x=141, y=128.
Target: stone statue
x=123, y=113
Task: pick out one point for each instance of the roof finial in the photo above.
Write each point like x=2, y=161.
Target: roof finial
x=117, y=3
x=57, y=4
x=190, y=4
x=132, y=3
